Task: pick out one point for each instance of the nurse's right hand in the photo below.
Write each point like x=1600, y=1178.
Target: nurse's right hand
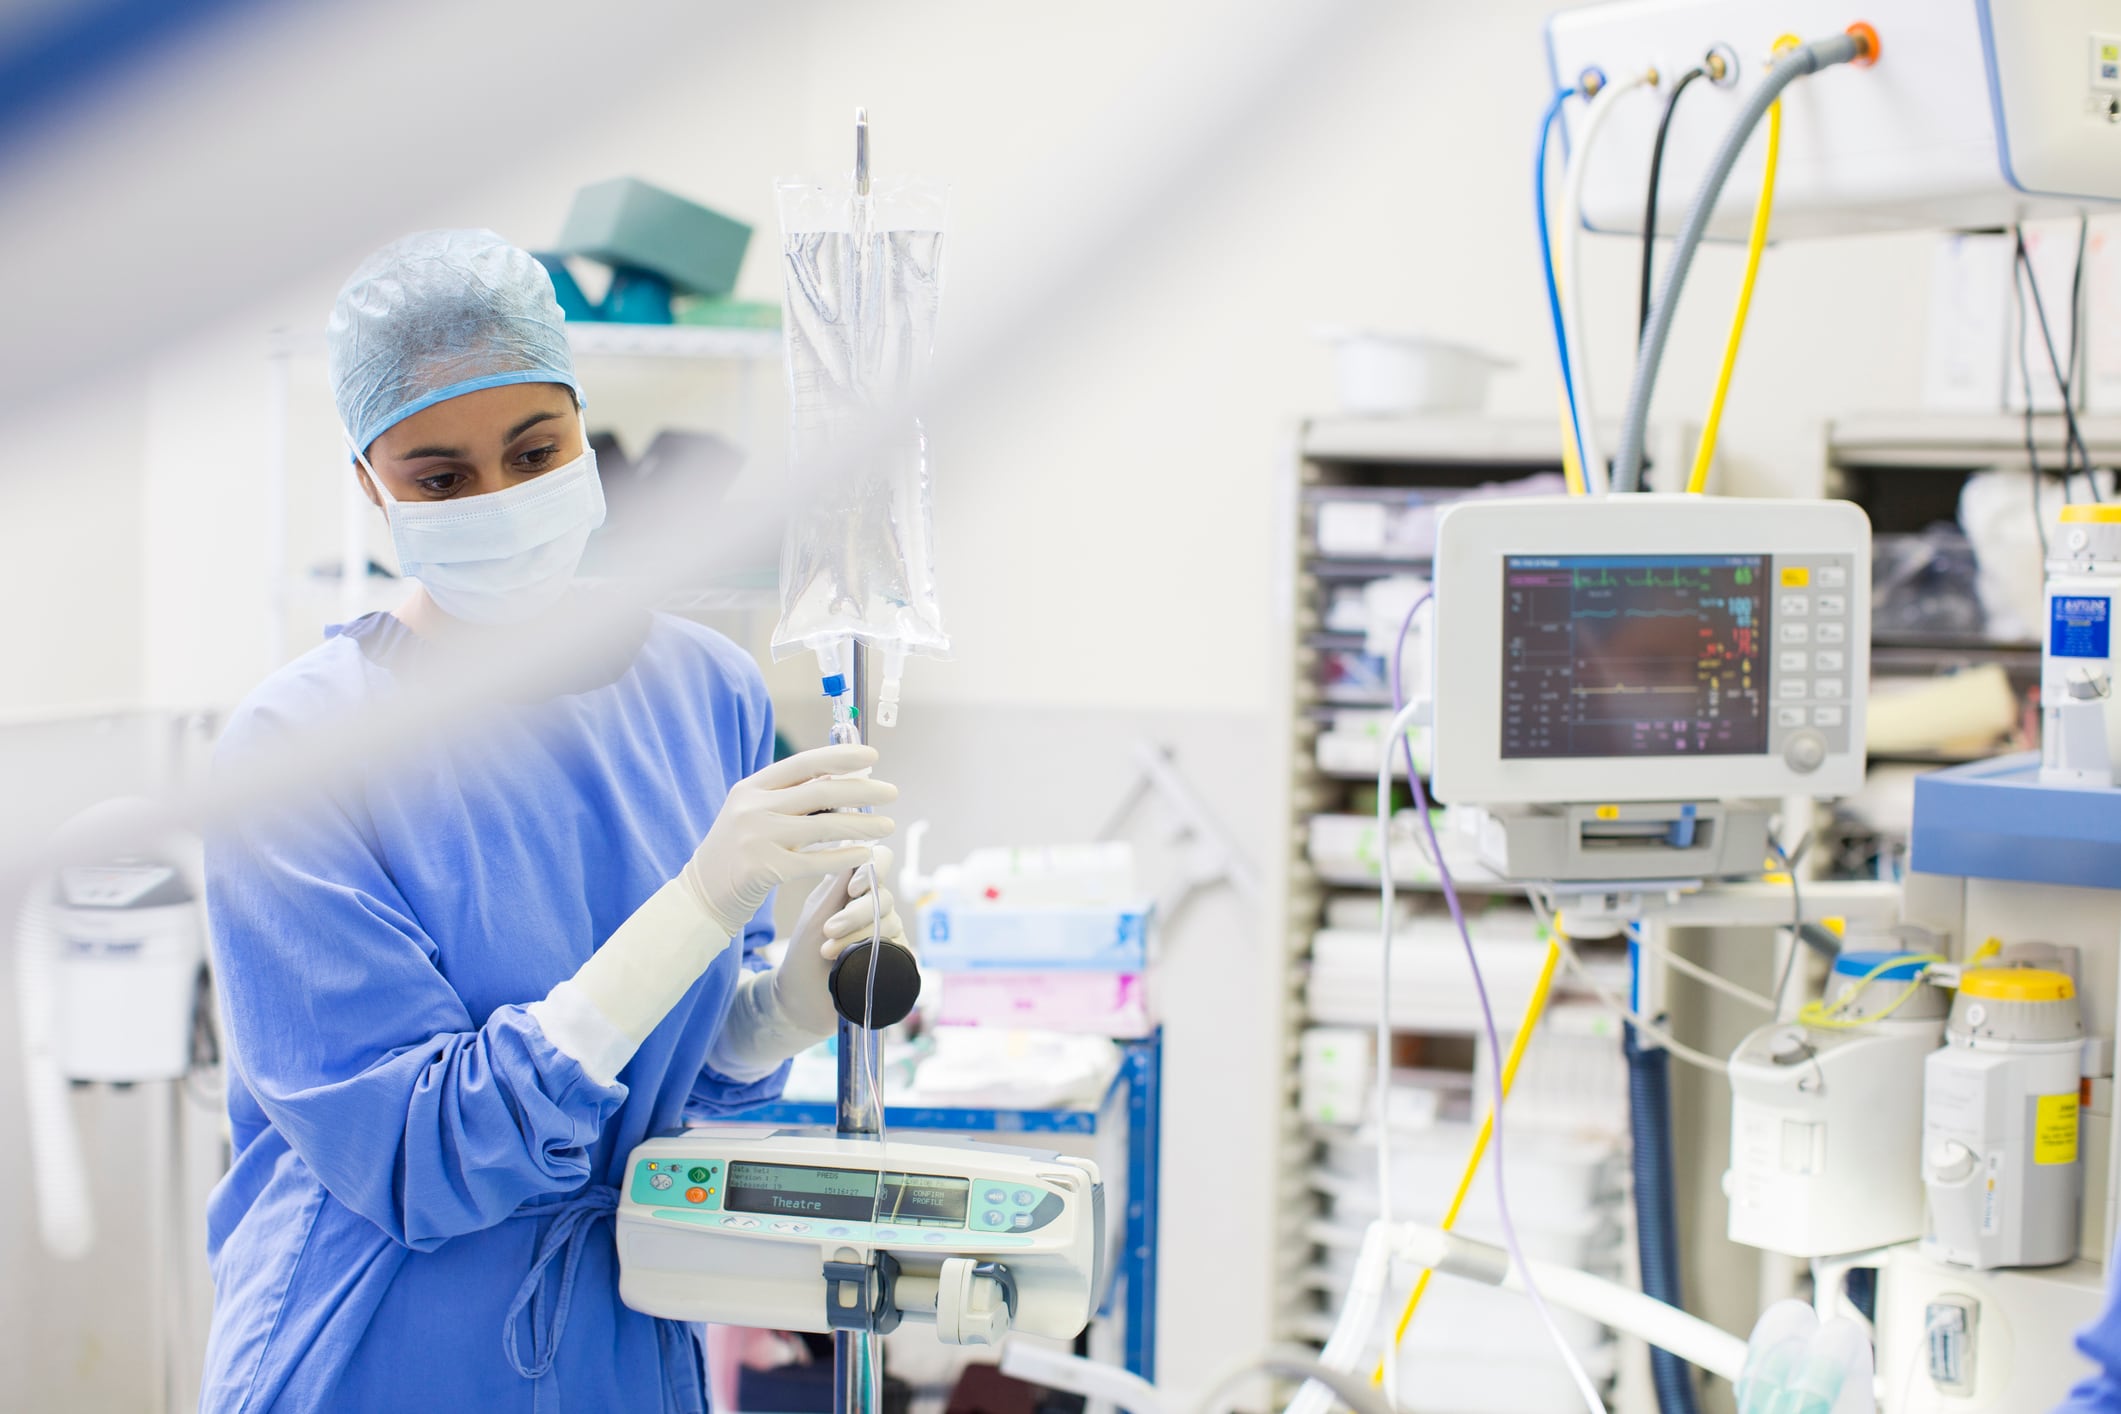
x=772, y=824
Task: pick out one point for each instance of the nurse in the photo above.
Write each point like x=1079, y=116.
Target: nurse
x=462, y=984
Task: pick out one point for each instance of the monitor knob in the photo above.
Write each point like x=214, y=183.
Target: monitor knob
x=1806, y=752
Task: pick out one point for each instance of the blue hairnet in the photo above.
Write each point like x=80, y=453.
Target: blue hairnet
x=437, y=314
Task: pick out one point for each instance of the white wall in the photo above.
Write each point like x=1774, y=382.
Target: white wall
x=1106, y=513
x=70, y=539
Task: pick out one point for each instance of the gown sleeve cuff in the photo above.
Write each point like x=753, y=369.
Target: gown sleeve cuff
x=582, y=1033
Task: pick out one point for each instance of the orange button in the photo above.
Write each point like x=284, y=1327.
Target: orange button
x=695, y=1195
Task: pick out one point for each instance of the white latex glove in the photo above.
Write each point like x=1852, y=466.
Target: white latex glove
x=601, y=1015
x=776, y=1014
x=759, y=840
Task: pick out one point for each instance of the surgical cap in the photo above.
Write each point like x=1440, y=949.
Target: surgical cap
x=438, y=314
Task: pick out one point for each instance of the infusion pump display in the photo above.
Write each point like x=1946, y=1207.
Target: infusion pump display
x=788, y=1190
x=1649, y=647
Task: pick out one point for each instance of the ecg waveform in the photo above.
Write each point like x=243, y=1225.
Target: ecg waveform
x=1634, y=656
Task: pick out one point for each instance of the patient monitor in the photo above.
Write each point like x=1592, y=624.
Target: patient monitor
x=1616, y=677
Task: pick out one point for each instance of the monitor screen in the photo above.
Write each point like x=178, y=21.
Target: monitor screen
x=1634, y=655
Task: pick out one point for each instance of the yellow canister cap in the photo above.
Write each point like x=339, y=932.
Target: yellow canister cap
x=2091, y=513
x=2017, y=984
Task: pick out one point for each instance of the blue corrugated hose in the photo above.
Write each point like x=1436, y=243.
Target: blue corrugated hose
x=1656, y=1207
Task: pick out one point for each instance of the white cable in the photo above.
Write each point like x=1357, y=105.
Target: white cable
x=1612, y=1003
x=1708, y=978
x=66, y=1219
x=1595, y=476
x=1402, y=723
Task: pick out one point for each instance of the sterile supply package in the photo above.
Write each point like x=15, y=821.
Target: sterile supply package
x=1114, y=1004
x=1063, y=908
x=862, y=274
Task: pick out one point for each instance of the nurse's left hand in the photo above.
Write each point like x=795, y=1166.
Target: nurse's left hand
x=840, y=912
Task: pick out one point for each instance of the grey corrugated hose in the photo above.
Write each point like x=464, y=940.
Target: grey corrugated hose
x=1788, y=68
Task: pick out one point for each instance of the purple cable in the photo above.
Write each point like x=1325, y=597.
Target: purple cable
x=1480, y=985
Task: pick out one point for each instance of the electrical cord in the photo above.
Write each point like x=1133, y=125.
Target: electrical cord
x=2054, y=363
x=1789, y=858
x=1706, y=977
x=1649, y=216
x=1755, y=244
x=1787, y=69
x=1548, y=916
x=2032, y=450
x=1401, y=722
x=1405, y=710
x=1829, y=1017
x=1572, y=290
x=1546, y=262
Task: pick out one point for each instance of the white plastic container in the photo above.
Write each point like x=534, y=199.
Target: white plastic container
x=1382, y=374
x=2080, y=708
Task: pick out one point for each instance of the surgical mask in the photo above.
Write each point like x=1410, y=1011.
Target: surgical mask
x=499, y=558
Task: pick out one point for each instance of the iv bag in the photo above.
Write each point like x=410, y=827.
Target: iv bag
x=863, y=279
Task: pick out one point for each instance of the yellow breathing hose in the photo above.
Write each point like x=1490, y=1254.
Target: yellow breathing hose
x=1533, y=1010
x=1756, y=242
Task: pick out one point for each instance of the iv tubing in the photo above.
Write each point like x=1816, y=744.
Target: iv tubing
x=1756, y=242
x=1572, y=343
x=1534, y=1009
x=1787, y=69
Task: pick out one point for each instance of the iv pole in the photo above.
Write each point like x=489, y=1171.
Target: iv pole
x=854, y=1352
x=855, y=1356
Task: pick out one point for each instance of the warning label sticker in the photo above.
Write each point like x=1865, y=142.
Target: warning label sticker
x=2055, y=1129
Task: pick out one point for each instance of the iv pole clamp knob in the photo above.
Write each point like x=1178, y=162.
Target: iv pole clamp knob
x=898, y=984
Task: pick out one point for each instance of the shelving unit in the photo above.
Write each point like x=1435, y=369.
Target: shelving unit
x=1338, y=467
x=1908, y=472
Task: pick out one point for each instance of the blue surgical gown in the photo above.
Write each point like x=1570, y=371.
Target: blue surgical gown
x=417, y=1215
x=2101, y=1344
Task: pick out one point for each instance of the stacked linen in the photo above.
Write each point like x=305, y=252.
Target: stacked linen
x=1053, y=939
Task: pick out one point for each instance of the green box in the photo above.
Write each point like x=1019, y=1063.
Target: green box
x=625, y=221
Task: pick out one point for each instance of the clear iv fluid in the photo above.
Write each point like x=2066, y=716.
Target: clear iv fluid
x=863, y=285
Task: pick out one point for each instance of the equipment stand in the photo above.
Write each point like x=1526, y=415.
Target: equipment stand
x=856, y=1357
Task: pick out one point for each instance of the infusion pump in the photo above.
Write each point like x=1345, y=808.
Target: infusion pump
x=1611, y=675
x=807, y=1232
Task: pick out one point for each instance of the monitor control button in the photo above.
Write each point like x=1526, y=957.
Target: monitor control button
x=659, y=1181
x=1805, y=752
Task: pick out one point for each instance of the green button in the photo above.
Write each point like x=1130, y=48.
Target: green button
x=698, y=1174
